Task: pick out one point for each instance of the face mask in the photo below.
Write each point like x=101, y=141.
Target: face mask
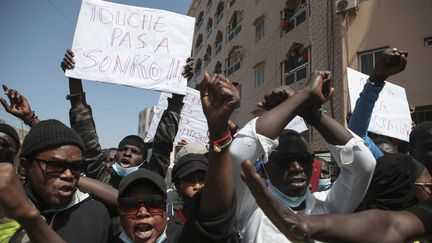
x=291, y=202
x=324, y=184
x=122, y=172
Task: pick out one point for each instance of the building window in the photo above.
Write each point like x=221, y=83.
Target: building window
x=259, y=76
x=198, y=67
x=292, y=18
x=231, y=2
x=428, y=41
x=209, y=27
x=296, y=66
x=218, y=68
x=259, y=32
x=234, y=60
x=198, y=44
x=421, y=114
x=219, y=12
x=235, y=25
x=218, y=42
x=368, y=59
x=199, y=20
x=209, y=5
x=207, y=56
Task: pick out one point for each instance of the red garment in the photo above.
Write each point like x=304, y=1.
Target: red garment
x=180, y=215
x=316, y=174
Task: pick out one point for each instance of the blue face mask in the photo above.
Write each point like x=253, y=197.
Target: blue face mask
x=324, y=184
x=122, y=172
x=291, y=202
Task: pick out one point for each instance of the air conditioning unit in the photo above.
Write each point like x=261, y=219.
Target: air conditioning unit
x=343, y=6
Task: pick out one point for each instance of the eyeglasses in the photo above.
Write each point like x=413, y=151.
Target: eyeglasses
x=154, y=204
x=56, y=167
x=287, y=159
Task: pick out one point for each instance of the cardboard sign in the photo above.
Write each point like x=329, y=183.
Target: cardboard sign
x=193, y=124
x=391, y=116
x=134, y=46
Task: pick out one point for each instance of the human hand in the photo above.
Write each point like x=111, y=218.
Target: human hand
x=188, y=68
x=285, y=219
x=390, y=63
x=13, y=200
x=219, y=98
x=319, y=88
x=19, y=106
x=275, y=97
x=68, y=60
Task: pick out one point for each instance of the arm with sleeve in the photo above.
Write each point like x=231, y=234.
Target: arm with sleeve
x=362, y=113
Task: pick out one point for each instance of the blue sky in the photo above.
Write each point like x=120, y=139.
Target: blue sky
x=34, y=37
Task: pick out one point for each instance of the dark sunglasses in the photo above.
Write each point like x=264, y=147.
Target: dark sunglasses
x=154, y=204
x=56, y=167
x=287, y=159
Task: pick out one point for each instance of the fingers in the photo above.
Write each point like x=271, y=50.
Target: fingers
x=5, y=88
x=68, y=60
x=5, y=105
x=204, y=90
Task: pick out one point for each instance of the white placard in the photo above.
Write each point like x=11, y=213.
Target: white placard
x=391, y=116
x=297, y=124
x=193, y=124
x=134, y=46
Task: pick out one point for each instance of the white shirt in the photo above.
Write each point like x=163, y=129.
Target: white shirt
x=354, y=158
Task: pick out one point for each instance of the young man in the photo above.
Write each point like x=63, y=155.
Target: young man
x=290, y=161
x=52, y=155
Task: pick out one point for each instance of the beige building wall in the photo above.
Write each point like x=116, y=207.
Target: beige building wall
x=333, y=41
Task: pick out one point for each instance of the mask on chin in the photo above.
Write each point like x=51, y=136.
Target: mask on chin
x=324, y=184
x=291, y=202
x=122, y=172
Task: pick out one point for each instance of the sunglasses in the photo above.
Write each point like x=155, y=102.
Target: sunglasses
x=56, y=167
x=287, y=159
x=154, y=204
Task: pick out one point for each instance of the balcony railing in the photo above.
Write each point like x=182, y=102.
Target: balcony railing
x=209, y=32
x=207, y=61
x=198, y=48
x=234, y=32
x=219, y=17
x=217, y=47
x=296, y=74
x=209, y=5
x=295, y=20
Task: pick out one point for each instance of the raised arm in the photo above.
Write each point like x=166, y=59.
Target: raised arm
x=16, y=205
x=19, y=106
x=81, y=119
x=367, y=226
x=391, y=62
x=99, y=191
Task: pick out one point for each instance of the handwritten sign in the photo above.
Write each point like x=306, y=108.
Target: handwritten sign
x=391, y=116
x=193, y=124
x=134, y=46
x=297, y=124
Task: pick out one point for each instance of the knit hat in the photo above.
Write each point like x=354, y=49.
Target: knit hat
x=135, y=141
x=5, y=128
x=188, y=164
x=47, y=134
x=142, y=176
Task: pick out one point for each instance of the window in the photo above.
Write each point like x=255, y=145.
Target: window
x=207, y=56
x=218, y=68
x=199, y=20
x=296, y=66
x=259, y=76
x=219, y=12
x=368, y=59
x=209, y=27
x=209, y=5
x=198, y=66
x=292, y=18
x=218, y=42
x=198, y=44
x=428, y=41
x=231, y=2
x=259, y=32
x=421, y=114
x=234, y=60
x=235, y=25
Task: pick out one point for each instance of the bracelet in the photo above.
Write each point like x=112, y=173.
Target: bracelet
x=218, y=144
x=29, y=121
x=69, y=96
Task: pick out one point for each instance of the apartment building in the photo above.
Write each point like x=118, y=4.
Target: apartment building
x=263, y=44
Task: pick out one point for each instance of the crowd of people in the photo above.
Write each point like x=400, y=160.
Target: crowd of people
x=258, y=183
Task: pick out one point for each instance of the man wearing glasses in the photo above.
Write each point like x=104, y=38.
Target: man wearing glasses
x=52, y=155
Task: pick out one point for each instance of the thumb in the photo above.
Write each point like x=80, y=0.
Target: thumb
x=204, y=89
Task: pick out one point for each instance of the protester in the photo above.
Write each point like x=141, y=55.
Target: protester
x=367, y=226
x=385, y=146
x=142, y=194
x=109, y=157
x=420, y=144
x=132, y=151
x=53, y=158
x=289, y=166
x=324, y=182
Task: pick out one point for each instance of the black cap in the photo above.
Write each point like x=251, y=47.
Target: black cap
x=187, y=164
x=142, y=176
x=5, y=128
x=135, y=141
x=47, y=134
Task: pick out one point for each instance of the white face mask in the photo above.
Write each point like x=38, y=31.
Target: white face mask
x=324, y=184
x=291, y=202
x=122, y=172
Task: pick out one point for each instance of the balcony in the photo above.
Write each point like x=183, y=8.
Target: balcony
x=234, y=32
x=209, y=5
x=219, y=17
x=198, y=48
x=295, y=20
x=209, y=32
x=218, y=47
x=296, y=74
x=234, y=67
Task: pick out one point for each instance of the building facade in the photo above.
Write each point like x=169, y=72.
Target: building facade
x=263, y=44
